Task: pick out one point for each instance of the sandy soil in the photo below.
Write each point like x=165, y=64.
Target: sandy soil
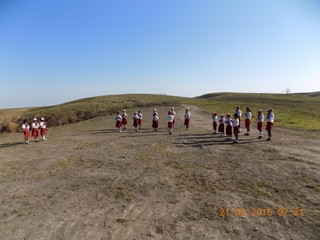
x=90, y=182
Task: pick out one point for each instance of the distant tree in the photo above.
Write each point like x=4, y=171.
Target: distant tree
x=287, y=90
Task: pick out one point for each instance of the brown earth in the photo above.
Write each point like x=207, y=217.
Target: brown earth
x=90, y=182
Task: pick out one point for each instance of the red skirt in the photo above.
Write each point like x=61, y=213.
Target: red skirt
x=186, y=121
x=247, y=123
x=221, y=128
x=236, y=130
x=155, y=124
x=229, y=130
x=124, y=121
x=259, y=126
x=170, y=124
x=43, y=131
x=139, y=121
x=118, y=124
x=215, y=126
x=35, y=132
x=135, y=122
x=269, y=126
x=26, y=134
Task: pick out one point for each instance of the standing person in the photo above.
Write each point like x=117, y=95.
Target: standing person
x=239, y=113
x=214, y=122
x=135, y=121
x=187, y=117
x=124, y=119
x=270, y=120
x=140, y=119
x=221, y=125
x=229, y=123
x=236, y=127
x=118, y=119
x=26, y=131
x=260, y=120
x=35, y=129
x=155, y=120
x=170, y=119
x=43, y=128
x=174, y=117
x=248, y=120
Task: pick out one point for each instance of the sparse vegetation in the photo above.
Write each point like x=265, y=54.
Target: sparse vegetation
x=292, y=110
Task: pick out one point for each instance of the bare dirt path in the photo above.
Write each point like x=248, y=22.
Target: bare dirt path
x=90, y=182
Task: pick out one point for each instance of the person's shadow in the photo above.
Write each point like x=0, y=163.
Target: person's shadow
x=5, y=145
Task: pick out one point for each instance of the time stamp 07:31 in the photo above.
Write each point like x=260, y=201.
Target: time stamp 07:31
x=261, y=212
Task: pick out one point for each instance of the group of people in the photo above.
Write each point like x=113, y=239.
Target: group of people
x=37, y=128
x=225, y=125
x=122, y=120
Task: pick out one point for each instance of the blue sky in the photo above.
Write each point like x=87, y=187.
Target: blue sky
x=56, y=51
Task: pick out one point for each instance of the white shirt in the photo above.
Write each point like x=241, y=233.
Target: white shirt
x=229, y=121
x=118, y=117
x=124, y=115
x=25, y=127
x=140, y=115
x=260, y=118
x=239, y=113
x=214, y=118
x=248, y=115
x=270, y=117
x=35, y=125
x=221, y=120
x=43, y=125
x=235, y=122
x=155, y=117
x=187, y=115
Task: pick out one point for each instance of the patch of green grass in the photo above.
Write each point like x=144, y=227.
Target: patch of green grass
x=188, y=182
x=175, y=165
x=62, y=164
x=309, y=183
x=291, y=110
x=121, y=192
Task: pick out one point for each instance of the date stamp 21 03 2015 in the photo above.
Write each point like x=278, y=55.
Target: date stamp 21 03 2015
x=260, y=212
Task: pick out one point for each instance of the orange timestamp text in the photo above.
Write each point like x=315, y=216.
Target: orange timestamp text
x=260, y=212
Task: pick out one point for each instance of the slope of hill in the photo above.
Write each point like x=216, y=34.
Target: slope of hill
x=87, y=181
x=310, y=94
x=292, y=111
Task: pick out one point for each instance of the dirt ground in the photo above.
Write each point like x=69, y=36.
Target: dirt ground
x=90, y=182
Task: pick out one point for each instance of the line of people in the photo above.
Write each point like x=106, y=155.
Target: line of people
x=122, y=120
x=225, y=125
x=35, y=127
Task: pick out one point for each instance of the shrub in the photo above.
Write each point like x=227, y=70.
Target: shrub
x=8, y=127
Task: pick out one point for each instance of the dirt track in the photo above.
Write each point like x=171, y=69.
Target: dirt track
x=90, y=182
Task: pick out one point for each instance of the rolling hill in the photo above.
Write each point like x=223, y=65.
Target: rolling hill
x=296, y=111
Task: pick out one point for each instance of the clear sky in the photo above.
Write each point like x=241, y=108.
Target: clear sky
x=61, y=50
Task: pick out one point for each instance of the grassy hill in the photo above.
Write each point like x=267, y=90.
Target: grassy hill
x=88, y=181
x=291, y=110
